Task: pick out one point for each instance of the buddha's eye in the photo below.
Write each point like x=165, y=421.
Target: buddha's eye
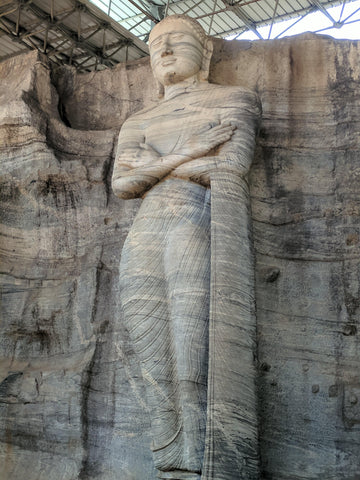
x=156, y=42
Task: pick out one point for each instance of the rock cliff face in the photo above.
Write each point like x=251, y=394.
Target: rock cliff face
x=71, y=400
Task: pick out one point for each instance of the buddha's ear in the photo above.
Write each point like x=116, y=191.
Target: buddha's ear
x=160, y=88
x=207, y=54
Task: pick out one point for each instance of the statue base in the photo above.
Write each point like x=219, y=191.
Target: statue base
x=179, y=475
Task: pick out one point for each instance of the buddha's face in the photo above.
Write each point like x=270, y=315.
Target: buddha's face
x=176, y=54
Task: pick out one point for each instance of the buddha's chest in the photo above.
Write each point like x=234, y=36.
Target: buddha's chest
x=173, y=124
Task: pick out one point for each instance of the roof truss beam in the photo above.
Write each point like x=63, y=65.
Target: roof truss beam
x=240, y=14
x=70, y=35
x=63, y=39
x=323, y=10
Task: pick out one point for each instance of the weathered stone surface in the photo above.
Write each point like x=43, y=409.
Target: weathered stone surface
x=70, y=407
x=61, y=340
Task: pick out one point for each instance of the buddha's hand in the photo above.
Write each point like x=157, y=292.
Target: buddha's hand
x=145, y=155
x=205, y=140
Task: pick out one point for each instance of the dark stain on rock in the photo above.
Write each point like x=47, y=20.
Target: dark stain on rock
x=103, y=327
x=291, y=59
x=85, y=394
x=333, y=391
x=60, y=189
x=280, y=192
x=343, y=95
x=106, y=177
x=265, y=367
x=351, y=406
x=8, y=382
x=43, y=337
x=349, y=330
x=95, y=388
x=352, y=239
x=271, y=274
x=63, y=80
x=63, y=114
x=99, y=269
x=9, y=192
x=352, y=302
x=46, y=333
x=315, y=388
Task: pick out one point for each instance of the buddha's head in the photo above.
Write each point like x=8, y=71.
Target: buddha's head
x=179, y=49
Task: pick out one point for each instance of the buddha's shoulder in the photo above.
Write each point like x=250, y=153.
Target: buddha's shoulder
x=145, y=111
x=229, y=89
x=225, y=96
x=232, y=92
x=138, y=119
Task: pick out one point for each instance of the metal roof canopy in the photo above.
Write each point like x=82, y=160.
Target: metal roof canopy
x=72, y=32
x=220, y=18
x=77, y=32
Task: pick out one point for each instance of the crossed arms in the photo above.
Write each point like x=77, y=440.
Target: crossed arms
x=227, y=145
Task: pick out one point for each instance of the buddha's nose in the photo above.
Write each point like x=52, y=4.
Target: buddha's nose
x=166, y=51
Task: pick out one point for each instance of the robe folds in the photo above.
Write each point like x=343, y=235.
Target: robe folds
x=187, y=285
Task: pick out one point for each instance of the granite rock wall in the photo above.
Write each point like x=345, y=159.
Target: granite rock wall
x=71, y=398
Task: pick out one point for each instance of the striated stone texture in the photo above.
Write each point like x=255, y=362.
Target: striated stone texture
x=63, y=387
x=187, y=265
x=70, y=401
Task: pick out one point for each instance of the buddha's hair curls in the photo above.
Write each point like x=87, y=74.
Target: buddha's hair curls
x=195, y=26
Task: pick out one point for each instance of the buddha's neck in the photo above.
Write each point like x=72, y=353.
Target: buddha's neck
x=177, y=88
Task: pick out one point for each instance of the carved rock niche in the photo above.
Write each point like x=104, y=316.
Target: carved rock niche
x=71, y=395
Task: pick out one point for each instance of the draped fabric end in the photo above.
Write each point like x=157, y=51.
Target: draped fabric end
x=231, y=449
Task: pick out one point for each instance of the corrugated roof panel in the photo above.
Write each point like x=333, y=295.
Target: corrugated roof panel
x=120, y=12
x=74, y=23
x=234, y=19
x=299, y=4
x=124, y=9
x=231, y=20
x=8, y=48
x=102, y=4
x=133, y=22
x=178, y=8
x=217, y=25
x=255, y=12
x=266, y=11
x=143, y=29
x=217, y=21
x=281, y=10
x=181, y=7
x=228, y=25
x=207, y=6
x=293, y=5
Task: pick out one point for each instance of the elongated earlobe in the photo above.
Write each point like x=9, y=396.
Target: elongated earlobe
x=159, y=86
x=205, y=67
x=160, y=89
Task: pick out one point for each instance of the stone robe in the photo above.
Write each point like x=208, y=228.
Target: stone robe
x=166, y=260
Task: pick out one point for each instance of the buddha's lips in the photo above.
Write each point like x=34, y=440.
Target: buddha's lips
x=165, y=63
